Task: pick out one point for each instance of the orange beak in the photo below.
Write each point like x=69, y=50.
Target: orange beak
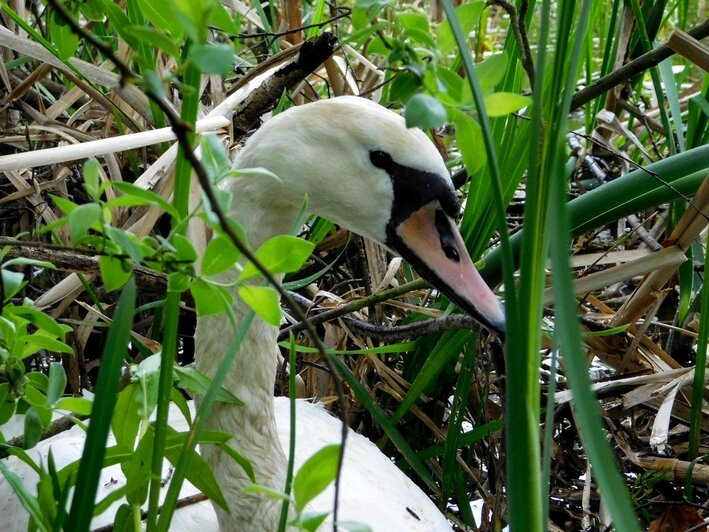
x=431, y=242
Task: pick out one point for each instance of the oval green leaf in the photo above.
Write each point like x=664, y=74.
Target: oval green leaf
x=264, y=301
x=315, y=475
x=504, y=103
x=280, y=254
x=424, y=111
x=470, y=143
x=219, y=256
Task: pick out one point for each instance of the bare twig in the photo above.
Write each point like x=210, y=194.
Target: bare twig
x=519, y=29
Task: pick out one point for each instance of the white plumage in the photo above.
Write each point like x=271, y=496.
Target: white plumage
x=362, y=168
x=367, y=476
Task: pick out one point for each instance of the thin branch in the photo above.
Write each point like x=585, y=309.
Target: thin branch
x=519, y=28
x=344, y=12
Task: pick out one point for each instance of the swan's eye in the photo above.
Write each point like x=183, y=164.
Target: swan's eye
x=445, y=234
x=380, y=159
x=450, y=251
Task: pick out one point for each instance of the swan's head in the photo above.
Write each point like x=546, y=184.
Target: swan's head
x=362, y=168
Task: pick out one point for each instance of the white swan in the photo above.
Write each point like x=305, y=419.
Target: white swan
x=363, y=169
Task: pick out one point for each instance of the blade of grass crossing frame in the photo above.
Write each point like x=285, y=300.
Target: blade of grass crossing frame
x=107, y=387
x=521, y=420
x=200, y=420
x=567, y=327
x=385, y=423
x=457, y=415
x=291, y=443
x=657, y=84
x=696, y=417
x=183, y=173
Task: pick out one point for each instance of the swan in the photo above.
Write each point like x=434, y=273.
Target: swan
x=362, y=168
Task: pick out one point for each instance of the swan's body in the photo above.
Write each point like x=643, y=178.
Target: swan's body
x=361, y=168
x=366, y=471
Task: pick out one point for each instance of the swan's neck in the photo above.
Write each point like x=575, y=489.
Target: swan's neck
x=251, y=378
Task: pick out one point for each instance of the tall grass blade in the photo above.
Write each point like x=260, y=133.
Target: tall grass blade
x=107, y=387
x=567, y=331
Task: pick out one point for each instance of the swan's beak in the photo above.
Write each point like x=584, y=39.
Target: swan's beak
x=431, y=242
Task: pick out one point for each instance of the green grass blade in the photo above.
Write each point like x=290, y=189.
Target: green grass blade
x=200, y=420
x=107, y=386
x=567, y=331
x=385, y=423
x=697, y=416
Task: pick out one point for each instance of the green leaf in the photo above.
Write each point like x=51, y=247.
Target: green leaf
x=24, y=261
x=315, y=475
x=178, y=282
x=196, y=383
x=12, y=282
x=67, y=206
x=468, y=15
x=492, y=71
x=264, y=301
x=162, y=18
x=215, y=158
x=219, y=256
x=28, y=501
x=39, y=340
x=78, y=405
x=311, y=521
x=193, y=16
x=92, y=179
x=127, y=243
x=504, y=103
x=40, y=320
x=403, y=87
x=239, y=459
x=63, y=37
x=38, y=380
x=198, y=473
x=107, y=387
x=417, y=21
x=156, y=39
x=184, y=248
x=353, y=526
x=424, y=111
x=220, y=19
x=34, y=397
x=264, y=490
x=145, y=197
x=126, y=420
x=114, y=272
x=213, y=58
x=82, y=218
x=207, y=298
x=57, y=382
x=33, y=428
x=470, y=143
x=367, y=4
x=452, y=82
x=155, y=84
x=123, y=521
x=280, y=254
